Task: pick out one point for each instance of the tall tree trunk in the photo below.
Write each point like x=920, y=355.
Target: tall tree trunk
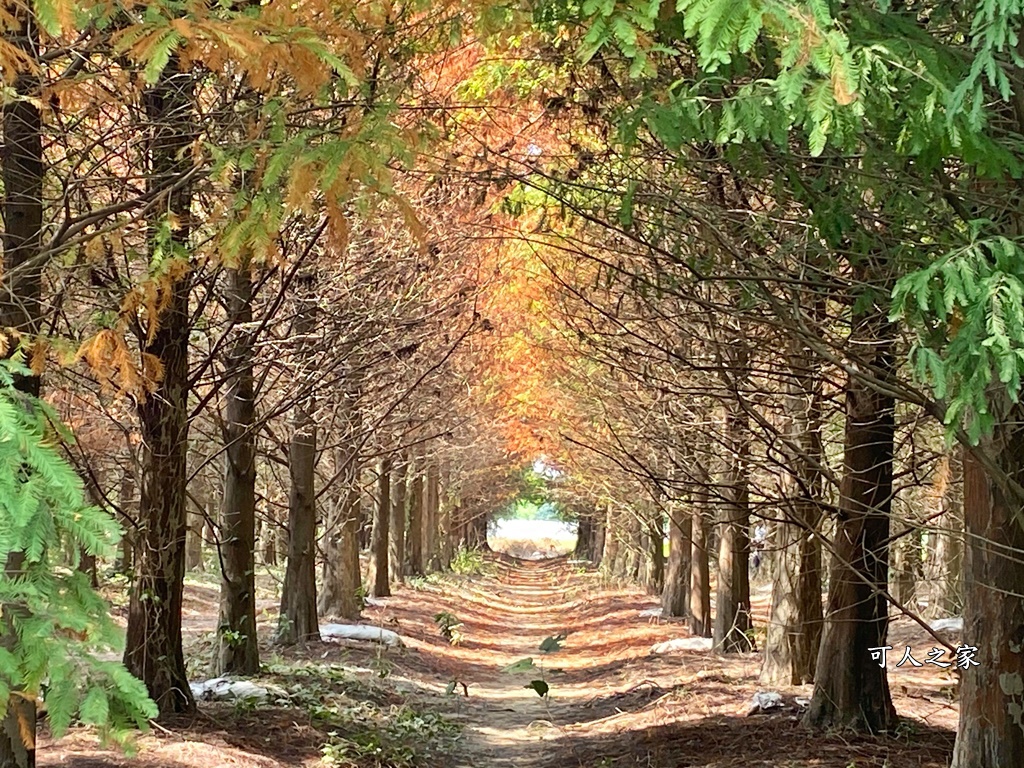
x=341, y=577
x=342, y=580
x=584, y=538
x=610, y=556
x=851, y=690
x=380, y=582
x=431, y=513
x=238, y=650
x=991, y=731
x=21, y=301
x=945, y=562
x=795, y=623
x=907, y=568
x=414, y=536
x=195, y=523
x=636, y=549
x=127, y=502
x=700, y=569
x=399, y=512
x=298, y=619
x=675, y=598
x=655, y=565
x=732, y=615
x=445, y=529
x=476, y=528
x=597, y=547
x=153, y=644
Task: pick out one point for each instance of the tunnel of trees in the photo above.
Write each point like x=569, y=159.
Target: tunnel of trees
x=310, y=284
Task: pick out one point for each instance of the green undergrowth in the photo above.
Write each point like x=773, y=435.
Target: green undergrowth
x=367, y=722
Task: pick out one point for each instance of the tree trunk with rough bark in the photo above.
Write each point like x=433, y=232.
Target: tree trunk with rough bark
x=237, y=647
x=675, y=598
x=153, y=651
x=194, y=541
x=943, y=570
x=700, y=567
x=128, y=505
x=586, y=535
x=341, y=578
x=610, y=555
x=991, y=730
x=445, y=521
x=414, y=535
x=795, y=621
x=851, y=690
x=732, y=614
x=298, y=619
x=380, y=581
x=654, y=576
x=399, y=513
x=431, y=515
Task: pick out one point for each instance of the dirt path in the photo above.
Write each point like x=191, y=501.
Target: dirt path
x=509, y=724
x=612, y=702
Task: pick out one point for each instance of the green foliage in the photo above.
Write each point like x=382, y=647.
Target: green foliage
x=551, y=644
x=364, y=725
x=57, y=624
x=554, y=643
x=520, y=666
x=397, y=738
x=968, y=310
x=467, y=562
x=540, y=686
x=534, y=501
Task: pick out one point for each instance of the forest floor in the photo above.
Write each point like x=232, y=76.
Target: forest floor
x=612, y=702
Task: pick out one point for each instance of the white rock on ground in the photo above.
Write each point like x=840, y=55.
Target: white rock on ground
x=225, y=689
x=683, y=644
x=764, y=701
x=954, y=624
x=360, y=632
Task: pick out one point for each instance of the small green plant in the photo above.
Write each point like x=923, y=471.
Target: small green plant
x=232, y=637
x=397, y=738
x=453, y=685
x=449, y=625
x=553, y=643
x=550, y=644
x=467, y=562
x=382, y=665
